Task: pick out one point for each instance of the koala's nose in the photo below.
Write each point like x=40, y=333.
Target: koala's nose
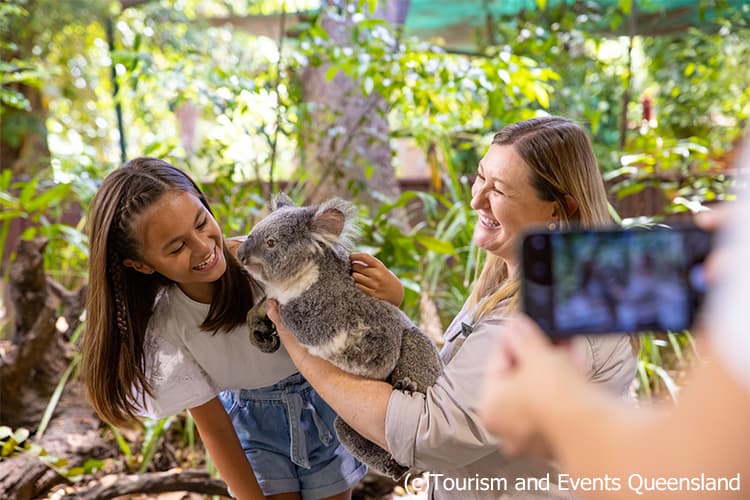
x=242, y=252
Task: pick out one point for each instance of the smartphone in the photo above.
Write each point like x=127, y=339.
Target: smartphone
x=614, y=281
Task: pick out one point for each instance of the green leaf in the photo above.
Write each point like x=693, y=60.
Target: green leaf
x=55, y=196
x=8, y=448
x=368, y=85
x=54, y=461
x=12, y=214
x=55, y=398
x=542, y=96
x=331, y=72
x=21, y=435
x=436, y=245
x=28, y=191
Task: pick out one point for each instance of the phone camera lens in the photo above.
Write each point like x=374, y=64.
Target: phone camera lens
x=537, y=242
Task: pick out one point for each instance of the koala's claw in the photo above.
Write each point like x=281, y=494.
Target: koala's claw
x=266, y=343
x=395, y=470
x=405, y=384
x=263, y=335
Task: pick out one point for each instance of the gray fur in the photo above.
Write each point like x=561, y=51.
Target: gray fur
x=301, y=257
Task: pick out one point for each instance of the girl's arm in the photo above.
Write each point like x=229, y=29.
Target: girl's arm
x=371, y=276
x=221, y=441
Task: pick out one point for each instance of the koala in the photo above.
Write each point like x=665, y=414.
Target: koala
x=300, y=255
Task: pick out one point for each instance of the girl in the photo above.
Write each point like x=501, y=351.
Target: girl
x=166, y=329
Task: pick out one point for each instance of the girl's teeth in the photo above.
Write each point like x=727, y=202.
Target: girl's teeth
x=207, y=262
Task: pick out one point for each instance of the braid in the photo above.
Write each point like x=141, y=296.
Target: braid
x=121, y=304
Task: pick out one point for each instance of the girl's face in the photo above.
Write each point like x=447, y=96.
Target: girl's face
x=182, y=241
x=505, y=202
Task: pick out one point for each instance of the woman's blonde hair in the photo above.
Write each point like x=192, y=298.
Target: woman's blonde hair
x=561, y=163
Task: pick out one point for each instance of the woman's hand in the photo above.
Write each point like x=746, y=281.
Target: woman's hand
x=528, y=382
x=371, y=276
x=361, y=402
x=297, y=352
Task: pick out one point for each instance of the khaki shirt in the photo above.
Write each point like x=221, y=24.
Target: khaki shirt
x=439, y=431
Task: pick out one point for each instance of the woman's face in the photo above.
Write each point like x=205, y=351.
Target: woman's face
x=180, y=239
x=505, y=202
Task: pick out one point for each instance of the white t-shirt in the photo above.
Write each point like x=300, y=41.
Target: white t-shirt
x=187, y=366
x=728, y=313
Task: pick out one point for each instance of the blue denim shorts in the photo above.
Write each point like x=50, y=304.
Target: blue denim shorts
x=287, y=433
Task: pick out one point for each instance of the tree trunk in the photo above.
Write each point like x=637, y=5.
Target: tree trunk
x=346, y=141
x=23, y=137
x=30, y=368
x=35, y=359
x=73, y=435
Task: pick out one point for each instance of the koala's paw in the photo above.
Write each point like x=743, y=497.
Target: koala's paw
x=263, y=335
x=405, y=384
x=395, y=470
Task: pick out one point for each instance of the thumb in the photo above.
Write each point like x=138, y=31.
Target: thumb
x=525, y=339
x=364, y=258
x=273, y=310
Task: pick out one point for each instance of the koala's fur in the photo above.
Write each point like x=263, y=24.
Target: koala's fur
x=301, y=257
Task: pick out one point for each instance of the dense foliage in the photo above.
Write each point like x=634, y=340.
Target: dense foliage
x=181, y=79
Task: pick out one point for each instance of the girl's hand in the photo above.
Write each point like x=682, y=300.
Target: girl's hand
x=372, y=277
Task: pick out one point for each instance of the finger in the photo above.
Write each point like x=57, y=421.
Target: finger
x=369, y=291
x=525, y=339
x=364, y=269
x=364, y=280
x=714, y=218
x=365, y=258
x=511, y=447
x=503, y=360
x=577, y=356
x=273, y=311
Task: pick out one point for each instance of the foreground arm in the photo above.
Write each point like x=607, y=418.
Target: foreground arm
x=534, y=393
x=360, y=401
x=436, y=430
x=221, y=441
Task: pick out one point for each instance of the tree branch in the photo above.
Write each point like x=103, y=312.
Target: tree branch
x=195, y=481
x=127, y=4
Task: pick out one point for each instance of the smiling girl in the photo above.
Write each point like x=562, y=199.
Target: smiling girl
x=167, y=330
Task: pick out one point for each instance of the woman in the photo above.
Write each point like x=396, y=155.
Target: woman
x=537, y=172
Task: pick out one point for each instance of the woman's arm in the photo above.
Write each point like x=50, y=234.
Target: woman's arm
x=221, y=441
x=434, y=430
x=361, y=402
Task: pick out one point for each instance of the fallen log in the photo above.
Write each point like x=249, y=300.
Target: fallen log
x=111, y=486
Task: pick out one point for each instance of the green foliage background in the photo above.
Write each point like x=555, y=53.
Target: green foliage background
x=248, y=97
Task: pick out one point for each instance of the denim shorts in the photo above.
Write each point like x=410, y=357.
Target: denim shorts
x=287, y=433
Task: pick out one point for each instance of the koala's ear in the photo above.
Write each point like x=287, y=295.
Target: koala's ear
x=281, y=200
x=328, y=221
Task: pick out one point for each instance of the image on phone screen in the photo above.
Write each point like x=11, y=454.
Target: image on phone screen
x=610, y=281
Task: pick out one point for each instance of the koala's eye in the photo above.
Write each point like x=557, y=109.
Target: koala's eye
x=270, y=242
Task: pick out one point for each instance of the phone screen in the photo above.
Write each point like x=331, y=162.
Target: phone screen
x=610, y=281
